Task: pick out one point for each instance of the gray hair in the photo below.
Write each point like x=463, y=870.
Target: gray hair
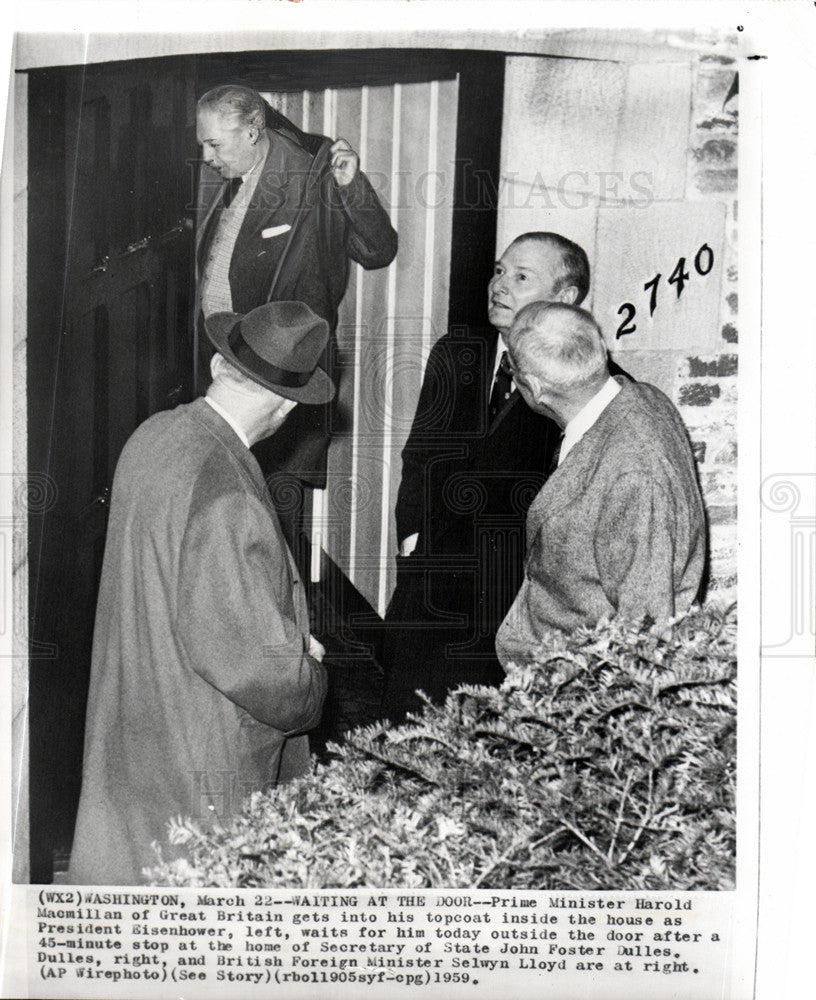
x=560, y=344
x=233, y=101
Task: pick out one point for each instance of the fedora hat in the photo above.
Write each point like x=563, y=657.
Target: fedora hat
x=278, y=345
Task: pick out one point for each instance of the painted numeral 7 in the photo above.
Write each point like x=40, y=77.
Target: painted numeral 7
x=653, y=297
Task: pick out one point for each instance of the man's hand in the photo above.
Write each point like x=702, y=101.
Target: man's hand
x=316, y=649
x=344, y=163
x=408, y=544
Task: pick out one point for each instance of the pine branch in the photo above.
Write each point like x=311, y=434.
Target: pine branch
x=584, y=839
x=619, y=820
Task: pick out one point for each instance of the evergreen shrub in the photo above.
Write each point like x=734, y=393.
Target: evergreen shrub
x=606, y=763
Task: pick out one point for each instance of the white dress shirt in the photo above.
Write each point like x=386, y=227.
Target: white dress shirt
x=216, y=295
x=583, y=420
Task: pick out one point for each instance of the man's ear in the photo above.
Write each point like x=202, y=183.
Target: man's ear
x=279, y=413
x=532, y=383
x=217, y=364
x=537, y=388
x=567, y=295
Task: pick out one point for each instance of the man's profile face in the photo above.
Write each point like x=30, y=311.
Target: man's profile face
x=225, y=145
x=527, y=272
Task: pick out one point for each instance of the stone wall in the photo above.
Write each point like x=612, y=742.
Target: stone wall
x=638, y=164
x=707, y=382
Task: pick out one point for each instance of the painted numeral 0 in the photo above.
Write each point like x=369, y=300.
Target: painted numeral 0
x=698, y=266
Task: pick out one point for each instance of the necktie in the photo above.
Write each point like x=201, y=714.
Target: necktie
x=230, y=189
x=556, y=455
x=502, y=386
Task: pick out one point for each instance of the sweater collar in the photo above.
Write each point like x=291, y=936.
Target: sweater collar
x=583, y=420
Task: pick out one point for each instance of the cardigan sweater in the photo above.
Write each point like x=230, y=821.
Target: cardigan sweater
x=617, y=530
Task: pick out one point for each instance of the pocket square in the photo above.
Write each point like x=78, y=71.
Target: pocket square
x=274, y=231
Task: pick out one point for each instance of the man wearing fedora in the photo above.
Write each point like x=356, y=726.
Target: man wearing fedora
x=204, y=675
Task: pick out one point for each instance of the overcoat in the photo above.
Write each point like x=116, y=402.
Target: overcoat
x=329, y=226
x=200, y=676
x=617, y=530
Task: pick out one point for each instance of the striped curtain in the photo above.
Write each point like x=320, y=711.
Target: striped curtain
x=405, y=135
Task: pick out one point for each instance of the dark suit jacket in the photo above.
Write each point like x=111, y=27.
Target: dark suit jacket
x=466, y=486
x=200, y=674
x=467, y=483
x=330, y=226
x=461, y=471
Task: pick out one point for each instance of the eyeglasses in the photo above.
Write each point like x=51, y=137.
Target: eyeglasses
x=507, y=365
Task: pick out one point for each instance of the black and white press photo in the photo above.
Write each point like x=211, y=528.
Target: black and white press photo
x=381, y=516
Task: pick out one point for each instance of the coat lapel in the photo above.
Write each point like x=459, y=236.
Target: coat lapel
x=309, y=195
x=278, y=193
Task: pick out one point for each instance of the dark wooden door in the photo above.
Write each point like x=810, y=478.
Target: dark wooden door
x=112, y=160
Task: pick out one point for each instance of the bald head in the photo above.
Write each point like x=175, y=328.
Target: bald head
x=559, y=356
x=536, y=267
x=573, y=269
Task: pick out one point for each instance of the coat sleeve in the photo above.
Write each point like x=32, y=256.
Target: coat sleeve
x=634, y=548
x=370, y=239
x=410, y=509
x=237, y=617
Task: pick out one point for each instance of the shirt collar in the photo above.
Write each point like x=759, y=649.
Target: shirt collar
x=583, y=420
x=253, y=169
x=230, y=420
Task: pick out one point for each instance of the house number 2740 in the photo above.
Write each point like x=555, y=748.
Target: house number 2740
x=703, y=263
